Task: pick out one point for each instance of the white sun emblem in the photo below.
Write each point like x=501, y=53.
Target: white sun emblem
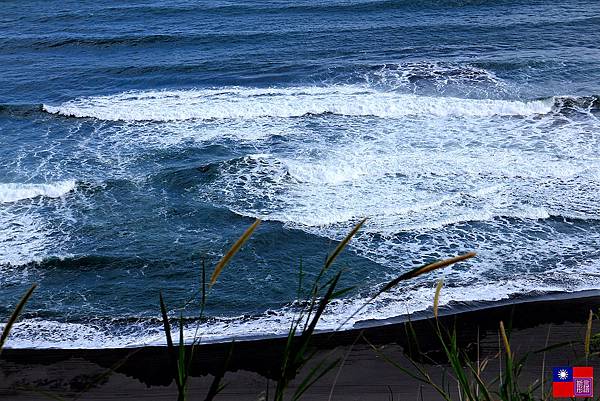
x=563, y=374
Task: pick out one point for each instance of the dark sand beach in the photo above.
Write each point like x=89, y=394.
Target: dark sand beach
x=31, y=374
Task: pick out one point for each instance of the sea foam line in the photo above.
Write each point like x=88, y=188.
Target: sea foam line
x=14, y=192
x=40, y=333
x=251, y=103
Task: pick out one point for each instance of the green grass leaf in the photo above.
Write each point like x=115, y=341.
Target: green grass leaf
x=15, y=315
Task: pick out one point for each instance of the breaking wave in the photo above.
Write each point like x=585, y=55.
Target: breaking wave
x=14, y=192
x=113, y=333
x=251, y=103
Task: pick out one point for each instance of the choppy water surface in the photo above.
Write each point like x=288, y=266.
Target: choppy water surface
x=137, y=139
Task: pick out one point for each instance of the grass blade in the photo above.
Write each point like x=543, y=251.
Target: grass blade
x=15, y=315
x=181, y=365
x=343, y=244
x=480, y=383
x=426, y=269
x=203, y=288
x=103, y=376
x=170, y=347
x=554, y=346
x=216, y=386
x=324, y=301
x=588, y=336
x=421, y=374
x=544, y=363
x=300, y=279
x=315, y=374
x=436, y=298
x=339, y=371
x=505, y=340
x=407, y=276
x=166, y=324
x=232, y=251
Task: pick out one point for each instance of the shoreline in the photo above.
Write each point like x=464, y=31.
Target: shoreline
x=451, y=309
x=143, y=369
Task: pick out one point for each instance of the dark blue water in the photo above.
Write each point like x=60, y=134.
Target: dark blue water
x=138, y=139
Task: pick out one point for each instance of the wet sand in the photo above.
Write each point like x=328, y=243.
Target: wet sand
x=143, y=373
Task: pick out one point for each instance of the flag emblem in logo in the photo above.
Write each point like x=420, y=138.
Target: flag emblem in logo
x=576, y=381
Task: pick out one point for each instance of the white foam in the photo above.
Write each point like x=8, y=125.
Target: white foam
x=433, y=187
x=442, y=77
x=252, y=103
x=442, y=175
x=14, y=192
x=40, y=333
x=415, y=297
x=403, y=189
x=27, y=235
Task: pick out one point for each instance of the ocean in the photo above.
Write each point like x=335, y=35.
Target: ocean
x=138, y=139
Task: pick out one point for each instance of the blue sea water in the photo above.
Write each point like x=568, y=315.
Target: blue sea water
x=138, y=138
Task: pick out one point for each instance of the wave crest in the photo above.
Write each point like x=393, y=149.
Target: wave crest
x=250, y=103
x=14, y=192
